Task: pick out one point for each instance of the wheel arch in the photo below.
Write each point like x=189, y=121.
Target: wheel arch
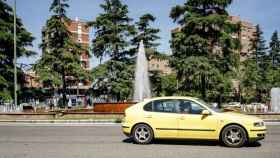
x=237, y=124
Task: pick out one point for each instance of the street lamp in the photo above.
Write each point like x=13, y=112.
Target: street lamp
x=15, y=56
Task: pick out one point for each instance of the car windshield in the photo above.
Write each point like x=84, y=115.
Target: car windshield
x=211, y=106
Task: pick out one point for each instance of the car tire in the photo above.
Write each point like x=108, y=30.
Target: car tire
x=234, y=136
x=142, y=134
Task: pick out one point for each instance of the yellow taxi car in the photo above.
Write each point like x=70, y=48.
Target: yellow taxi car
x=189, y=118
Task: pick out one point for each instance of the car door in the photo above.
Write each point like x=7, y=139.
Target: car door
x=162, y=115
x=193, y=125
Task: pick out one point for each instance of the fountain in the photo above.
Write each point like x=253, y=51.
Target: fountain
x=141, y=84
x=275, y=100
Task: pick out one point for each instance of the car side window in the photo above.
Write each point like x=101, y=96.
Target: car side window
x=168, y=106
x=149, y=106
x=185, y=107
x=190, y=107
x=196, y=108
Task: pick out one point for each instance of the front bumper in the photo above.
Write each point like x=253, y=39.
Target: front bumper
x=257, y=134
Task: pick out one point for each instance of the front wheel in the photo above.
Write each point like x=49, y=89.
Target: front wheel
x=234, y=136
x=142, y=134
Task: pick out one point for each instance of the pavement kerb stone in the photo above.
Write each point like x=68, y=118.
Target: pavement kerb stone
x=84, y=121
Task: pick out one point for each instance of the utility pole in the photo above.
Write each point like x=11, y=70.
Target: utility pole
x=15, y=56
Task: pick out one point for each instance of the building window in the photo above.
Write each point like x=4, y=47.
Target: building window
x=79, y=33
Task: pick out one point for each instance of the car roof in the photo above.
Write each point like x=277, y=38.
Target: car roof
x=170, y=97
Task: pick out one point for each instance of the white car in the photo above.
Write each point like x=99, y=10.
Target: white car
x=233, y=105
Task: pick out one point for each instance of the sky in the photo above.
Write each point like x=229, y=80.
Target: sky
x=34, y=14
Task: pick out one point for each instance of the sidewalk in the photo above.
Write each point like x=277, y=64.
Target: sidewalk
x=61, y=121
x=269, y=121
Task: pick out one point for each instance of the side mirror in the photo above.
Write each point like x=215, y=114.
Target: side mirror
x=205, y=112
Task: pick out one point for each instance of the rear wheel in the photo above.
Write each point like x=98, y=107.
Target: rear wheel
x=234, y=136
x=142, y=134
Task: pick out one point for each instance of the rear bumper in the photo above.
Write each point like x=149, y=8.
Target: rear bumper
x=126, y=130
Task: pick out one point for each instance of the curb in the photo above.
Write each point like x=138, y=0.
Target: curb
x=59, y=121
x=88, y=121
x=269, y=120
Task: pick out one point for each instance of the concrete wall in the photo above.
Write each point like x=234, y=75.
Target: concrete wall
x=26, y=116
x=62, y=116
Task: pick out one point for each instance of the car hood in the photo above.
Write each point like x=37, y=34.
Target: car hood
x=239, y=117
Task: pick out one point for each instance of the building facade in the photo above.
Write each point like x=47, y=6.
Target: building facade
x=31, y=80
x=80, y=34
x=246, y=35
x=159, y=64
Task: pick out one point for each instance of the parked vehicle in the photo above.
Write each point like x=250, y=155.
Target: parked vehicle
x=232, y=105
x=189, y=118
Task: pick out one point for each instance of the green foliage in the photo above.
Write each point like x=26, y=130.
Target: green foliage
x=112, y=29
x=163, y=85
x=204, y=52
x=258, y=45
x=61, y=55
x=156, y=85
x=99, y=71
x=59, y=7
x=261, y=72
x=112, y=35
x=146, y=32
x=274, y=51
x=169, y=84
x=24, y=39
x=255, y=81
x=249, y=81
x=113, y=80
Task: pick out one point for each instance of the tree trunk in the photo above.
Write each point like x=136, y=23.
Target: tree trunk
x=203, y=87
x=64, y=90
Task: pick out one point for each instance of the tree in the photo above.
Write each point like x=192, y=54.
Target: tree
x=163, y=84
x=113, y=32
x=204, y=51
x=261, y=65
x=169, y=84
x=146, y=32
x=273, y=70
x=258, y=47
x=24, y=39
x=156, y=85
x=249, y=81
x=274, y=51
x=61, y=55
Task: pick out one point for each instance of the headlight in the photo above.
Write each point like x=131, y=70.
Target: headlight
x=259, y=124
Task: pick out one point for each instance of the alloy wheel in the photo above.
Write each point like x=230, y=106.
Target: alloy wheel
x=234, y=136
x=142, y=134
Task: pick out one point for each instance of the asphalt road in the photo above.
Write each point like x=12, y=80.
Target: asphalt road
x=108, y=142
